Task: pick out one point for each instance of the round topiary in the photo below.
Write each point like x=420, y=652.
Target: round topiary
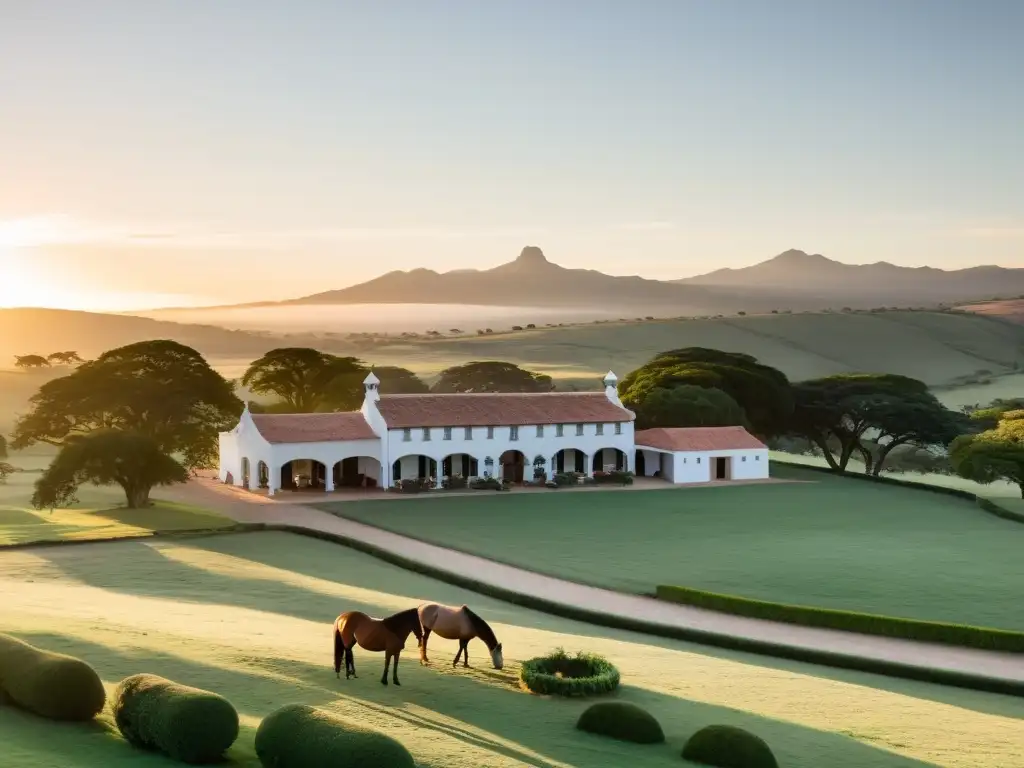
x=52, y=685
x=185, y=723
x=725, y=746
x=558, y=674
x=623, y=721
x=299, y=736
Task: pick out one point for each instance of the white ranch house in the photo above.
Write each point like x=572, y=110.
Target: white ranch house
x=502, y=435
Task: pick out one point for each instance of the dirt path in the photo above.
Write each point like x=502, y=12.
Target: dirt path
x=251, y=508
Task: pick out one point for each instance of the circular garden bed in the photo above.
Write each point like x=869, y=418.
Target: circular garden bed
x=559, y=674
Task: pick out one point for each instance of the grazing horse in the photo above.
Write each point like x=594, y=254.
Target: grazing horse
x=457, y=624
x=387, y=635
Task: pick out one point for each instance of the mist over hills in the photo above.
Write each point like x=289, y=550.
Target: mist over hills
x=793, y=280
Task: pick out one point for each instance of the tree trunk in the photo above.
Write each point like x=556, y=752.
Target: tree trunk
x=1021, y=486
x=868, y=460
x=137, y=497
x=822, y=443
x=849, y=444
x=883, y=453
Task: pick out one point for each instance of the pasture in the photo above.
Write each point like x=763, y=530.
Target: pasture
x=249, y=616
x=825, y=541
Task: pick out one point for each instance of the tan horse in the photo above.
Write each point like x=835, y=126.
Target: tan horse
x=457, y=624
x=387, y=635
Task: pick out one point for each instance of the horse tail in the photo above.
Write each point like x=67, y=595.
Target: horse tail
x=339, y=648
x=349, y=661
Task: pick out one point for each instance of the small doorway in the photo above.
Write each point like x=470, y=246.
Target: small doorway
x=641, y=464
x=721, y=468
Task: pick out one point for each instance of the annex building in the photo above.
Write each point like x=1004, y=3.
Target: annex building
x=509, y=436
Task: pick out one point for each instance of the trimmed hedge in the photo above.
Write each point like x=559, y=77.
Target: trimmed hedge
x=725, y=746
x=968, y=680
x=986, y=505
x=623, y=721
x=848, y=621
x=48, y=684
x=300, y=736
x=185, y=723
x=559, y=674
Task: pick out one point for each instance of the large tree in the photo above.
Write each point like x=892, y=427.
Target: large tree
x=31, y=361
x=689, y=406
x=761, y=391
x=307, y=380
x=64, y=358
x=161, y=389
x=399, y=381
x=996, y=454
x=3, y=447
x=490, y=376
x=107, y=457
x=837, y=412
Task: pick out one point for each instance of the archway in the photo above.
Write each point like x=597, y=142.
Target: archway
x=357, y=472
x=412, y=467
x=459, y=465
x=262, y=475
x=608, y=459
x=303, y=475
x=571, y=460
x=640, y=463
x=245, y=472
x=513, y=466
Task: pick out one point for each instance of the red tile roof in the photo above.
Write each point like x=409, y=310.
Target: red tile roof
x=312, y=427
x=499, y=408
x=697, y=439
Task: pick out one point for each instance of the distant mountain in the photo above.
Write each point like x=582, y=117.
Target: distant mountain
x=532, y=280
x=802, y=274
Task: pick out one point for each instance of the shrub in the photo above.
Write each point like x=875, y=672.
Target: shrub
x=297, y=736
x=185, y=723
x=726, y=746
x=454, y=482
x=413, y=485
x=615, y=477
x=558, y=674
x=51, y=685
x=623, y=721
x=567, y=478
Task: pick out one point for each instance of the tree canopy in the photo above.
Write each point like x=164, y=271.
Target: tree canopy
x=161, y=389
x=3, y=447
x=135, y=462
x=399, y=381
x=836, y=412
x=31, y=361
x=995, y=454
x=307, y=380
x=762, y=392
x=64, y=358
x=687, y=405
x=491, y=376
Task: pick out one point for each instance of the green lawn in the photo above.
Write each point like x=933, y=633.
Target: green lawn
x=249, y=616
x=100, y=513
x=828, y=542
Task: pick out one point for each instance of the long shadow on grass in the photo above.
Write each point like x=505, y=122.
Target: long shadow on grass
x=140, y=568
x=476, y=707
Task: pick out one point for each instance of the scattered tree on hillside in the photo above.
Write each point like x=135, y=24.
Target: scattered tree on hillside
x=761, y=391
x=64, y=358
x=31, y=361
x=996, y=454
x=306, y=379
x=491, y=376
x=920, y=420
x=689, y=406
x=5, y=470
x=135, y=462
x=161, y=389
x=3, y=447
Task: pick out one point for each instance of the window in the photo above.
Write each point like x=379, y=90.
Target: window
x=684, y=459
x=600, y=429
x=513, y=433
x=426, y=434
x=490, y=433
x=469, y=433
x=757, y=458
x=698, y=459
x=406, y=435
x=579, y=430
x=618, y=428
x=743, y=458
x=540, y=430
x=559, y=431
x=447, y=433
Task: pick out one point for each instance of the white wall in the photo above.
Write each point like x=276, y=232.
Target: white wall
x=694, y=467
x=480, y=447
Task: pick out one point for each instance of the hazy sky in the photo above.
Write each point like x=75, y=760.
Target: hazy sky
x=185, y=151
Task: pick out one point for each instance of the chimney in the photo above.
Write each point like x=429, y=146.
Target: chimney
x=611, y=389
x=369, y=410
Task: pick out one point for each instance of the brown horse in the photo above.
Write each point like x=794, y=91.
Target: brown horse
x=457, y=624
x=387, y=635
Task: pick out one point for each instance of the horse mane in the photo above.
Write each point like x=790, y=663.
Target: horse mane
x=404, y=621
x=483, y=629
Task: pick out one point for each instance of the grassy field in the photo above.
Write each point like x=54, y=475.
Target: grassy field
x=249, y=616
x=100, y=513
x=829, y=542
